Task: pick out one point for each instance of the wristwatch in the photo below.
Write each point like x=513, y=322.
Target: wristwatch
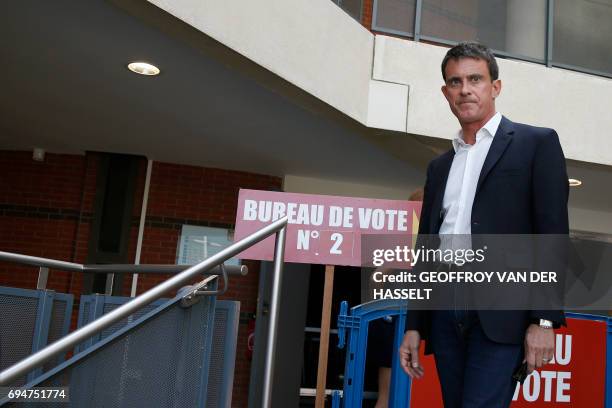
x=545, y=324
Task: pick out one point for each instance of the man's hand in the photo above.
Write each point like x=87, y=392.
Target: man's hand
x=539, y=346
x=409, y=354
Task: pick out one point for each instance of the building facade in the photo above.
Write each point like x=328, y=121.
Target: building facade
x=325, y=97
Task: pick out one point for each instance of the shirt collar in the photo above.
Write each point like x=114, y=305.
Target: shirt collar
x=490, y=129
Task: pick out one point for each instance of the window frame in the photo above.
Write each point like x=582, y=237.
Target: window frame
x=548, y=48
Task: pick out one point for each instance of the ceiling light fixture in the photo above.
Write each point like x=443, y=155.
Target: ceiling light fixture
x=143, y=68
x=574, y=182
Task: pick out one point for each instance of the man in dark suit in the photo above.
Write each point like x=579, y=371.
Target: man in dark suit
x=500, y=177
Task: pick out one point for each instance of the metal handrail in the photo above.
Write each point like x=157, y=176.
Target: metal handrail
x=112, y=268
x=66, y=343
x=41, y=262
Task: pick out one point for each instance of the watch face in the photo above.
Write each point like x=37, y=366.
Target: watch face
x=547, y=324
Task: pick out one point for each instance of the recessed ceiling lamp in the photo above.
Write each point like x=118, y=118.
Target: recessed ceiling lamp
x=143, y=68
x=574, y=182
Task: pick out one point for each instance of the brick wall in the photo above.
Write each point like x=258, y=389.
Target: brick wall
x=46, y=210
x=366, y=15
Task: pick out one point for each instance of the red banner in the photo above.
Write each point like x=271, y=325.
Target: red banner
x=575, y=378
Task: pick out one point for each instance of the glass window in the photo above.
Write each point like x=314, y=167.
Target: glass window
x=583, y=34
x=352, y=7
x=394, y=16
x=198, y=243
x=517, y=27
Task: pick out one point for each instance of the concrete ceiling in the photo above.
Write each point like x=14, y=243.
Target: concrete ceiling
x=595, y=193
x=65, y=88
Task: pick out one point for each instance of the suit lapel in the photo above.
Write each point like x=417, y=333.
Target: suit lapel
x=500, y=142
x=444, y=170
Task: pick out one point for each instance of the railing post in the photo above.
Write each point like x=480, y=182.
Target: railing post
x=43, y=276
x=110, y=282
x=279, y=257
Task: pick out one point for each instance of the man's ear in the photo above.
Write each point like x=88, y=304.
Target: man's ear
x=444, y=91
x=497, y=86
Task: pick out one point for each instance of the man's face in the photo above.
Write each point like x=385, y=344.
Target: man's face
x=469, y=90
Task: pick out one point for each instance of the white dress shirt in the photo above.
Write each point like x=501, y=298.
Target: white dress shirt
x=463, y=177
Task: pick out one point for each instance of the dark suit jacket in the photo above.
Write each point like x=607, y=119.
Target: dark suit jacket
x=522, y=189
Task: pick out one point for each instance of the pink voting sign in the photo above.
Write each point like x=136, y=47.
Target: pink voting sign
x=322, y=229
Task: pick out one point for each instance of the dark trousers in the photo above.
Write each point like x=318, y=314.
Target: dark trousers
x=474, y=371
